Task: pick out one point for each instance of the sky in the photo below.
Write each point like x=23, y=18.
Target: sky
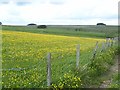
x=59, y=12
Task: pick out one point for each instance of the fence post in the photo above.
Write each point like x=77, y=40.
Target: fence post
x=107, y=42
x=95, y=50
x=103, y=47
x=49, y=69
x=77, y=56
x=111, y=42
x=116, y=40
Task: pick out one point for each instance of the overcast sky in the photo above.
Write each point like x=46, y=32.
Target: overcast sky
x=62, y=12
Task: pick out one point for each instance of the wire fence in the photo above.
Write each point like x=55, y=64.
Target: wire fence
x=46, y=70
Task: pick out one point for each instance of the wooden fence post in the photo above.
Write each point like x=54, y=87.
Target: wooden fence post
x=95, y=50
x=112, y=41
x=107, y=41
x=77, y=56
x=116, y=40
x=49, y=69
x=103, y=47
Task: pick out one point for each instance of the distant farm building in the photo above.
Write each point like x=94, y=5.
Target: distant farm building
x=101, y=24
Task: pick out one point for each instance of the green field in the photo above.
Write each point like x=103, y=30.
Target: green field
x=83, y=30
x=24, y=51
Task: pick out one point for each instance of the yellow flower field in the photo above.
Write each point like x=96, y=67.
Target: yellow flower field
x=23, y=50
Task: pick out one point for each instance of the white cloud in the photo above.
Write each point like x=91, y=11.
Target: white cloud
x=59, y=11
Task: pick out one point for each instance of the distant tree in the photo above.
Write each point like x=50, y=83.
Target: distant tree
x=31, y=24
x=42, y=26
x=0, y=23
x=101, y=24
x=76, y=29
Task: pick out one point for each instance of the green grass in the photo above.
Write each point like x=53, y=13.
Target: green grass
x=85, y=31
x=115, y=81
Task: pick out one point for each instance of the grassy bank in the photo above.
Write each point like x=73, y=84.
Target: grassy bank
x=92, y=75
